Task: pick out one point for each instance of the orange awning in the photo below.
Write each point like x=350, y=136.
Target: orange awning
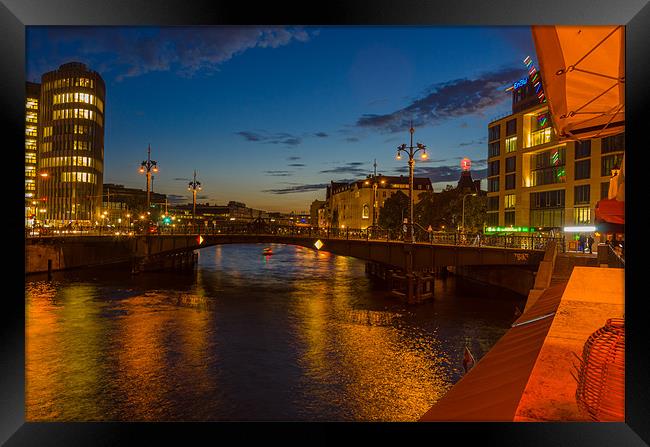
x=583, y=73
x=610, y=211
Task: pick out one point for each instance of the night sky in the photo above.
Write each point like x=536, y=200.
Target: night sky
x=269, y=116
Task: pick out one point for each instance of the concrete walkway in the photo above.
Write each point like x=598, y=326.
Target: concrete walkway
x=526, y=376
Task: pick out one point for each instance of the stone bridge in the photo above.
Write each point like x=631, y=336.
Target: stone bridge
x=45, y=254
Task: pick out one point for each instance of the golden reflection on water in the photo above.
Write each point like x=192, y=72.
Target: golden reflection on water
x=386, y=376
x=299, y=335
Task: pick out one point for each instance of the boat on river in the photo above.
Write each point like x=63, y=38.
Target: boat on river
x=267, y=251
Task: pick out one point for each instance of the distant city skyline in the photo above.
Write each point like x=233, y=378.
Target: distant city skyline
x=269, y=116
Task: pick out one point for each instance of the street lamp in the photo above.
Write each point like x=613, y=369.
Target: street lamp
x=411, y=151
x=148, y=166
x=194, y=186
x=468, y=194
x=375, y=185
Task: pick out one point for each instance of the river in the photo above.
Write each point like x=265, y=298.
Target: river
x=300, y=335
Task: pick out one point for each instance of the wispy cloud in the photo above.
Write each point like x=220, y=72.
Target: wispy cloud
x=442, y=173
x=297, y=165
x=352, y=167
x=298, y=189
x=479, y=142
x=129, y=52
x=321, y=135
x=270, y=138
x=445, y=100
x=279, y=173
x=293, y=158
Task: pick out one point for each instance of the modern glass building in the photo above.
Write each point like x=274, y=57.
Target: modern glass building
x=534, y=180
x=71, y=145
x=32, y=99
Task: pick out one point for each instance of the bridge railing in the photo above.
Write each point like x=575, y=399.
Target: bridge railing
x=528, y=242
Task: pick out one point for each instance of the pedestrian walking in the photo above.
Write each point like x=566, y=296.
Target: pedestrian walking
x=590, y=242
x=581, y=243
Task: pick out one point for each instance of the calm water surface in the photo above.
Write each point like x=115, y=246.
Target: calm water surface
x=297, y=336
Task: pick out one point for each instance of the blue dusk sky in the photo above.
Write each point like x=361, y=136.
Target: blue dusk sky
x=269, y=116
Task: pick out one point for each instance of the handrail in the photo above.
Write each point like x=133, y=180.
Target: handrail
x=528, y=242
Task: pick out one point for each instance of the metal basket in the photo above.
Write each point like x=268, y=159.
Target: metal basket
x=601, y=374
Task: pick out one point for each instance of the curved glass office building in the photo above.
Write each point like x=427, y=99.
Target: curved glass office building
x=71, y=144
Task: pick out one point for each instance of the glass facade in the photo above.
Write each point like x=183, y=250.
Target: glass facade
x=71, y=146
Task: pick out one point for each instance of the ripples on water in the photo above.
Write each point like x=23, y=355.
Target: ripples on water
x=297, y=336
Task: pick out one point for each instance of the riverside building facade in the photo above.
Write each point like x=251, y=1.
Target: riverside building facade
x=71, y=144
x=32, y=100
x=350, y=205
x=537, y=182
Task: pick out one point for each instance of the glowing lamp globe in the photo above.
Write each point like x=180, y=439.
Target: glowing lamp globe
x=465, y=164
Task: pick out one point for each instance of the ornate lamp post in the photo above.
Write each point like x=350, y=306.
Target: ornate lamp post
x=375, y=184
x=411, y=151
x=147, y=167
x=194, y=186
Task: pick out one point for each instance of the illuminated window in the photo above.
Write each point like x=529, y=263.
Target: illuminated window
x=511, y=144
x=32, y=103
x=509, y=201
x=30, y=131
x=85, y=177
x=366, y=212
x=30, y=171
x=540, y=137
x=31, y=117
x=30, y=185
x=30, y=144
x=30, y=158
x=581, y=215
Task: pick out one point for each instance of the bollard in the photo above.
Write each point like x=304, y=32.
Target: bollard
x=49, y=269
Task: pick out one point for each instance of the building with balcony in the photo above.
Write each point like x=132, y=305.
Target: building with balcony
x=350, y=205
x=533, y=179
x=70, y=144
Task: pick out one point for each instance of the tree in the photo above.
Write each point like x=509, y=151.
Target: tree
x=395, y=208
x=446, y=209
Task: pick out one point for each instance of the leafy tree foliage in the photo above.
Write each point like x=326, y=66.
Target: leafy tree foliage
x=396, y=206
x=446, y=209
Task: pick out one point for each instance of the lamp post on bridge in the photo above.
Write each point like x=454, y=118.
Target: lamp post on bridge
x=411, y=151
x=194, y=186
x=373, y=179
x=146, y=167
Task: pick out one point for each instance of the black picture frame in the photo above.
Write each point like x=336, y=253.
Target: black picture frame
x=15, y=15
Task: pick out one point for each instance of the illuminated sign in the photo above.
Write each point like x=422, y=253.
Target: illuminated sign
x=200, y=239
x=508, y=230
x=465, y=164
x=586, y=228
x=520, y=83
x=318, y=244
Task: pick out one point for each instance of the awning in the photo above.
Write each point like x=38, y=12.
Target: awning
x=583, y=73
x=610, y=211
